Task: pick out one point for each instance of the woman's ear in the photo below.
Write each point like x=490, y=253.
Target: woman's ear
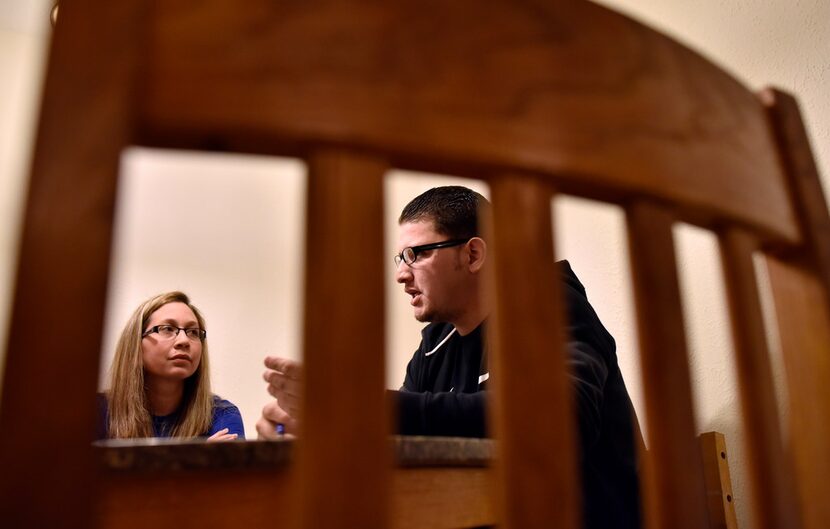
x=477, y=251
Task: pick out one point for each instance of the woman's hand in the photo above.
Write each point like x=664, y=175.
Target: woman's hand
x=222, y=435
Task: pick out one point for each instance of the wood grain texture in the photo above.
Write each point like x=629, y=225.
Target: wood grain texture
x=443, y=498
x=770, y=468
x=674, y=490
x=206, y=499
x=442, y=86
x=803, y=315
x=438, y=498
x=537, y=451
x=344, y=459
x=719, y=496
x=48, y=411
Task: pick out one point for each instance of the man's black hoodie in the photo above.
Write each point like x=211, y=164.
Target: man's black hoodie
x=444, y=394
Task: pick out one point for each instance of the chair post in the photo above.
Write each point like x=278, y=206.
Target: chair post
x=55, y=333
x=675, y=494
x=769, y=465
x=719, y=496
x=344, y=459
x=800, y=284
x=537, y=472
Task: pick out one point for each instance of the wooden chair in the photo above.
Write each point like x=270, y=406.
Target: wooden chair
x=537, y=98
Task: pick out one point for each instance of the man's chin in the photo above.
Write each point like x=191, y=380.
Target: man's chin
x=423, y=317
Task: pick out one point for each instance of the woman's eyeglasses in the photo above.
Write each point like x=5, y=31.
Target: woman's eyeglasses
x=167, y=332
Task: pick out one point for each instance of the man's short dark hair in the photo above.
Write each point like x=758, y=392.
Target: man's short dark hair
x=454, y=210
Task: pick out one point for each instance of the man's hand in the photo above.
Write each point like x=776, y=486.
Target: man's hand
x=284, y=378
x=272, y=415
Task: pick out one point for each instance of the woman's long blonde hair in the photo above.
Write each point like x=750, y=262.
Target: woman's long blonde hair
x=129, y=411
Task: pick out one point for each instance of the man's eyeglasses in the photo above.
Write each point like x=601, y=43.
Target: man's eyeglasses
x=168, y=332
x=410, y=254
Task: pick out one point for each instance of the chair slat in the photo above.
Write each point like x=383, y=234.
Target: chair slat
x=533, y=413
x=55, y=332
x=803, y=316
x=774, y=502
x=344, y=458
x=674, y=485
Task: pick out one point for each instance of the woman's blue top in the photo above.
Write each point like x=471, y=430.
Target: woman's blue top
x=225, y=415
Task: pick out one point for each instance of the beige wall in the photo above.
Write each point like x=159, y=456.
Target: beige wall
x=23, y=28
x=226, y=229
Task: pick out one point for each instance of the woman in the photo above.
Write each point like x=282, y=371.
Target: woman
x=160, y=380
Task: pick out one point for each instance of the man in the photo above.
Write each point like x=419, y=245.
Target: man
x=440, y=265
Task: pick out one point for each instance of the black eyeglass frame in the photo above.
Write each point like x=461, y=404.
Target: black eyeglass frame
x=202, y=333
x=424, y=247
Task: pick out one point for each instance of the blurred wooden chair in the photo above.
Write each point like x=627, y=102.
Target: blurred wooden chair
x=538, y=99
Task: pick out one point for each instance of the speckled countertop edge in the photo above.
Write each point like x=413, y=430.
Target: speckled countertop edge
x=149, y=455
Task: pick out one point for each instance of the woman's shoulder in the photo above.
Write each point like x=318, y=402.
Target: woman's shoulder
x=226, y=415
x=223, y=404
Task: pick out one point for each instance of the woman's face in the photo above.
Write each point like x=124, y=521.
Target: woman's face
x=174, y=358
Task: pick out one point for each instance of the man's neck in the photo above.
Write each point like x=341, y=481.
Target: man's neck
x=469, y=322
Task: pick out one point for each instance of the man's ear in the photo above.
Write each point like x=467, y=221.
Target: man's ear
x=477, y=251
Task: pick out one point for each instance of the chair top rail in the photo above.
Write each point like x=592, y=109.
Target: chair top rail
x=570, y=91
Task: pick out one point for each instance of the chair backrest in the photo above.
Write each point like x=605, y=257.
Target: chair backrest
x=537, y=99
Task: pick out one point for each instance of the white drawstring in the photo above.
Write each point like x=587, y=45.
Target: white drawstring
x=442, y=342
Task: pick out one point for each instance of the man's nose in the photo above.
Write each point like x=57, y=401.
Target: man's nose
x=403, y=272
